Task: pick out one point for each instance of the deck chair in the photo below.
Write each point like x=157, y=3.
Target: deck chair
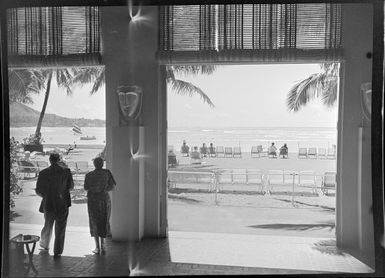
x=312, y=152
x=328, y=182
x=322, y=153
x=307, y=179
x=255, y=152
x=237, y=152
x=331, y=154
x=26, y=168
x=72, y=166
x=261, y=150
x=228, y=152
x=302, y=152
x=220, y=150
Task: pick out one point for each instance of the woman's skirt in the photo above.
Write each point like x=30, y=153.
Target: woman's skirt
x=99, y=210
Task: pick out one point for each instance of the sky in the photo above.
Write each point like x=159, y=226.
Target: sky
x=244, y=96
x=248, y=96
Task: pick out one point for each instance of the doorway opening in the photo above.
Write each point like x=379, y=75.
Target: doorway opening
x=222, y=176
x=73, y=125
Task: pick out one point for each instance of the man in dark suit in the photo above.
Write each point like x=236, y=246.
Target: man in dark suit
x=53, y=185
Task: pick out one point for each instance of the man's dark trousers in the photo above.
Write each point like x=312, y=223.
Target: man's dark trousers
x=60, y=221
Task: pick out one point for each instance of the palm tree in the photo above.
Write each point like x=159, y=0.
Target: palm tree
x=322, y=85
x=96, y=75
x=64, y=79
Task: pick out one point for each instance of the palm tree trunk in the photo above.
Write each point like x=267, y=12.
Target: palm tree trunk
x=41, y=117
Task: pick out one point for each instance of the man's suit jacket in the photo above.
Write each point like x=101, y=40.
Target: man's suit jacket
x=54, y=184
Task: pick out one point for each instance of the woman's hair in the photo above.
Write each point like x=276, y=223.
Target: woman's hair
x=98, y=162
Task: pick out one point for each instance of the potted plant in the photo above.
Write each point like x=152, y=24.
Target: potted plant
x=33, y=143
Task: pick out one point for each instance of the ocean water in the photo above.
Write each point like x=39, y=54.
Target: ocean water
x=245, y=137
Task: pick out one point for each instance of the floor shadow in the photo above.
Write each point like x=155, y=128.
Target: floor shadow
x=295, y=227
x=310, y=205
x=328, y=247
x=184, y=199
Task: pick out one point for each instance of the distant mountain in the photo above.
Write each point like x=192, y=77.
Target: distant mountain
x=23, y=116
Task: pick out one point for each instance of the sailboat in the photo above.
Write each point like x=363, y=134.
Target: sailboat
x=76, y=129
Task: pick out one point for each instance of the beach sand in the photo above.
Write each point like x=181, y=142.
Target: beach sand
x=238, y=209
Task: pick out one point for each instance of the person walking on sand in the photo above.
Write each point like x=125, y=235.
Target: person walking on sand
x=98, y=183
x=53, y=185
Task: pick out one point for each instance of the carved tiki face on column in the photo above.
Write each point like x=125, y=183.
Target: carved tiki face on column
x=130, y=103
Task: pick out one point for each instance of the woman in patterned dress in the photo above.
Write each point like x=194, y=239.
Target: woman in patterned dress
x=98, y=183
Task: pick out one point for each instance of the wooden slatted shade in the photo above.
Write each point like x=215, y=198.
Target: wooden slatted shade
x=250, y=32
x=53, y=36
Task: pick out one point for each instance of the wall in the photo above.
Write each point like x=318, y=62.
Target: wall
x=354, y=222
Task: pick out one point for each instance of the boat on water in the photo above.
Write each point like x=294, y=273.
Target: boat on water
x=87, y=137
x=77, y=131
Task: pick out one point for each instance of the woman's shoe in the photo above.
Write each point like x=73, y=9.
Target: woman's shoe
x=96, y=251
x=103, y=249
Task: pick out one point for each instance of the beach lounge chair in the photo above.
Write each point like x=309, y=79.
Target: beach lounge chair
x=237, y=152
x=72, y=166
x=328, y=182
x=312, y=153
x=302, y=152
x=307, y=179
x=255, y=151
x=26, y=168
x=261, y=150
x=220, y=150
x=228, y=152
x=82, y=167
x=322, y=153
x=331, y=153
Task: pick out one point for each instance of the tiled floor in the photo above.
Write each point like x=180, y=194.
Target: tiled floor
x=185, y=253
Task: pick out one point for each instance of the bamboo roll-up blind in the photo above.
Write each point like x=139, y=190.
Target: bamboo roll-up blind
x=53, y=36
x=257, y=32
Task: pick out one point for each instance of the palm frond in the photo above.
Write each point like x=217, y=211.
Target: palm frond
x=23, y=83
x=98, y=82
x=329, y=92
x=64, y=79
x=185, y=88
x=304, y=91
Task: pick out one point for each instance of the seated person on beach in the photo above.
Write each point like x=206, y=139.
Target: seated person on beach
x=273, y=150
x=204, y=150
x=184, y=149
x=211, y=149
x=283, y=150
x=171, y=158
x=195, y=154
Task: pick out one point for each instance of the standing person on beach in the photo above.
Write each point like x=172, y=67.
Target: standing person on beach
x=53, y=185
x=98, y=183
x=273, y=150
